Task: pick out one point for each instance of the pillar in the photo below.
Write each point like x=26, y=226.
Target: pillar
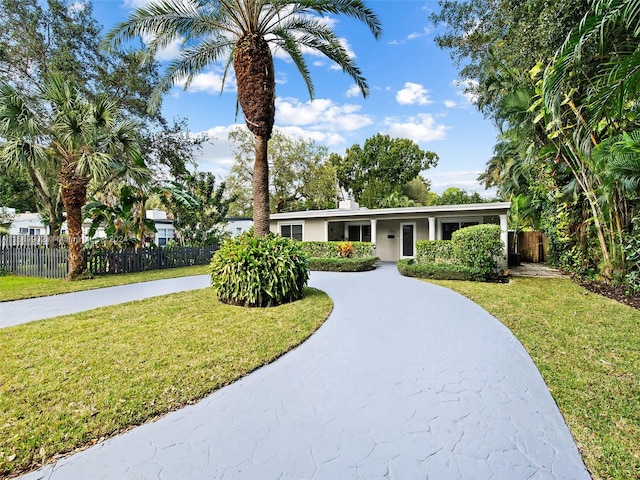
x=504, y=236
x=432, y=228
x=374, y=233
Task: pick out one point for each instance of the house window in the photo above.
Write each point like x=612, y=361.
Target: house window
x=34, y=231
x=164, y=235
x=359, y=233
x=23, y=231
x=293, y=230
x=449, y=227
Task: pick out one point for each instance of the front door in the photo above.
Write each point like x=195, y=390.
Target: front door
x=407, y=239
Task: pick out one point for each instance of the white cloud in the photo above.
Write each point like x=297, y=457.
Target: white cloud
x=210, y=82
x=450, y=104
x=421, y=129
x=320, y=115
x=467, y=89
x=425, y=31
x=353, y=91
x=413, y=94
x=170, y=52
x=463, y=179
x=217, y=155
x=136, y=3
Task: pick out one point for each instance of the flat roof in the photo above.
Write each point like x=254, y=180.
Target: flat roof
x=434, y=210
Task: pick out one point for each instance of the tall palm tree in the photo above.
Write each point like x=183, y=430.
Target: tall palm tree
x=242, y=33
x=86, y=138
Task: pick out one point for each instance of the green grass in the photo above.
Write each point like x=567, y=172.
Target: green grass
x=587, y=348
x=14, y=287
x=69, y=381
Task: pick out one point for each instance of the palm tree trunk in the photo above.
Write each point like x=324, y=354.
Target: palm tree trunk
x=256, y=83
x=74, y=195
x=260, y=184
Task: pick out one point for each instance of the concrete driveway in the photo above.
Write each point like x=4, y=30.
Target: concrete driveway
x=405, y=380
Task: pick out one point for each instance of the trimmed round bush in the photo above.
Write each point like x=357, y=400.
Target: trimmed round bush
x=479, y=247
x=256, y=271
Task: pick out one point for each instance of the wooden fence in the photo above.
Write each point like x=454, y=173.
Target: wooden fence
x=29, y=255
x=532, y=246
x=101, y=262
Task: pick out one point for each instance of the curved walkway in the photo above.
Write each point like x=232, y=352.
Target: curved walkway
x=405, y=380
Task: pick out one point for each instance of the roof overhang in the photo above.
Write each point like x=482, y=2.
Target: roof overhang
x=495, y=208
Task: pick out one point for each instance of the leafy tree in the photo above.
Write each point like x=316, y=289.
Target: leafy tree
x=84, y=140
x=199, y=219
x=16, y=192
x=419, y=191
x=301, y=177
x=458, y=196
x=380, y=168
x=241, y=34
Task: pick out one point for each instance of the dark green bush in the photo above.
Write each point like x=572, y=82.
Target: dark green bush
x=436, y=271
x=332, y=249
x=479, y=247
x=256, y=271
x=343, y=264
x=434, y=251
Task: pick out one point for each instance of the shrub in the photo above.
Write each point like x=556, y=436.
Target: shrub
x=343, y=264
x=345, y=250
x=437, y=271
x=435, y=251
x=256, y=271
x=330, y=249
x=479, y=247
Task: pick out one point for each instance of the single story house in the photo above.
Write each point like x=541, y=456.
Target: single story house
x=237, y=225
x=394, y=231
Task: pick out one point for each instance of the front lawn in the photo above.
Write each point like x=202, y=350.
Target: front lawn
x=587, y=348
x=69, y=381
x=13, y=287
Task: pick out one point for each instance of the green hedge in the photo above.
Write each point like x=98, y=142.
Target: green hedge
x=435, y=251
x=325, y=264
x=479, y=247
x=330, y=249
x=437, y=271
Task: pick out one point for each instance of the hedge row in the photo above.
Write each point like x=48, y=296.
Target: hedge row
x=326, y=264
x=473, y=253
x=435, y=251
x=437, y=271
x=331, y=249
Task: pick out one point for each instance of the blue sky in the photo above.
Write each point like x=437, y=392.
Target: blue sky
x=414, y=93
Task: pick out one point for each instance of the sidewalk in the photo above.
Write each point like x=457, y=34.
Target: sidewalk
x=405, y=380
x=23, y=311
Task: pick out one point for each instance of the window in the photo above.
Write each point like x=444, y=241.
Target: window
x=450, y=227
x=34, y=231
x=164, y=235
x=23, y=231
x=293, y=230
x=359, y=233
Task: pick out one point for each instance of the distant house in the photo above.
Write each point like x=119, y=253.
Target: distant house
x=238, y=225
x=31, y=224
x=394, y=231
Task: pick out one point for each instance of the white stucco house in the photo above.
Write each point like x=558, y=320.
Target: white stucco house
x=237, y=225
x=31, y=224
x=394, y=231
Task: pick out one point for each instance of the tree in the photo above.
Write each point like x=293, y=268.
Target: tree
x=380, y=168
x=240, y=33
x=199, y=221
x=457, y=196
x=301, y=177
x=84, y=140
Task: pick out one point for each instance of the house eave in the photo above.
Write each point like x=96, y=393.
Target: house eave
x=436, y=210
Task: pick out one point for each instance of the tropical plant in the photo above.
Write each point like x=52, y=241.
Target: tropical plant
x=259, y=271
x=80, y=139
x=241, y=33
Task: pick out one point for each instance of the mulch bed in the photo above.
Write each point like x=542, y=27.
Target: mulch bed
x=610, y=291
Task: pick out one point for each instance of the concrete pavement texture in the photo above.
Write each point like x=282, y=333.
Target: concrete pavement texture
x=28, y=310
x=405, y=380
